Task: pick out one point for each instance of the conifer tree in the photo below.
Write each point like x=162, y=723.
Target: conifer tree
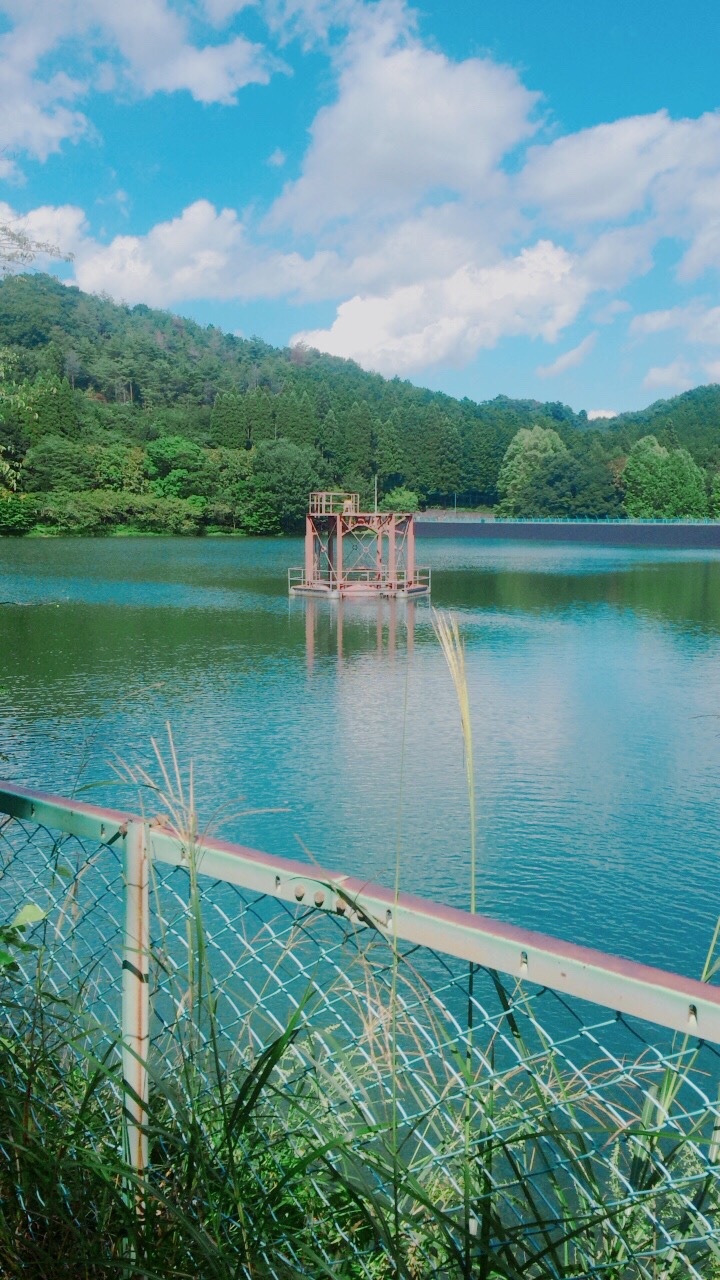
x=286, y=416
x=48, y=408
x=436, y=457
x=327, y=438
x=228, y=421
x=323, y=401
x=307, y=421
x=355, y=442
x=260, y=416
x=389, y=461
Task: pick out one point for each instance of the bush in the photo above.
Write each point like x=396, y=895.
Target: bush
x=91, y=514
x=17, y=514
x=400, y=499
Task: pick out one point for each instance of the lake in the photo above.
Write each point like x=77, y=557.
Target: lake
x=594, y=680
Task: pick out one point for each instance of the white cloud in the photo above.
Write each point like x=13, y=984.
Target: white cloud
x=145, y=42
x=594, y=414
x=154, y=42
x=536, y=293
x=614, y=258
x=569, y=359
x=660, y=175
x=191, y=256
x=203, y=253
x=704, y=250
x=220, y=12
x=276, y=159
x=609, y=313
x=35, y=117
x=313, y=20
x=119, y=198
x=64, y=226
x=657, y=321
x=613, y=170
x=432, y=245
x=407, y=123
x=698, y=323
x=676, y=376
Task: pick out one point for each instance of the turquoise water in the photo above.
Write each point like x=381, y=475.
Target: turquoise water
x=595, y=689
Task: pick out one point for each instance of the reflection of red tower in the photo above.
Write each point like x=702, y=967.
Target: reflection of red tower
x=353, y=553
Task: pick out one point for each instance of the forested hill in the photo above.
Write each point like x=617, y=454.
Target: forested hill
x=690, y=421
x=155, y=361
x=114, y=416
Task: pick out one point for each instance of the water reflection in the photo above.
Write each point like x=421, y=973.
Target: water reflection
x=594, y=684
x=347, y=627
x=681, y=589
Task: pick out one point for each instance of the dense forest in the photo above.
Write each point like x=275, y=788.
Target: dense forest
x=118, y=418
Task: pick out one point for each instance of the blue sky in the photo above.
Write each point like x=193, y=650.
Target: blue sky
x=516, y=197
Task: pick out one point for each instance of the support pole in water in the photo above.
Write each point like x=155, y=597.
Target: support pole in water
x=135, y=997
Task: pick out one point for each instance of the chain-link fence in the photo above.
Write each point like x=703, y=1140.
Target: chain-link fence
x=339, y=1080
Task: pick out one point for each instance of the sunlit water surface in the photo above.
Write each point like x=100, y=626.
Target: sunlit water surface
x=595, y=688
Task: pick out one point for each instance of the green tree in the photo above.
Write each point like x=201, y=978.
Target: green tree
x=327, y=439
x=55, y=463
x=177, y=468
x=642, y=478
x=449, y=468
x=260, y=416
x=400, y=499
x=233, y=468
x=685, y=487
x=565, y=487
x=433, y=450
x=17, y=514
x=9, y=472
x=228, y=421
x=663, y=484
x=389, y=461
x=527, y=450
x=120, y=467
x=354, y=443
x=485, y=442
x=307, y=421
x=288, y=423
x=283, y=476
x=48, y=407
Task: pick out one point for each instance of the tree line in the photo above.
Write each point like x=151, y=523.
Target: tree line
x=129, y=418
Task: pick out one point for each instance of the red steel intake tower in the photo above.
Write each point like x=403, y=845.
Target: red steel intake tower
x=349, y=552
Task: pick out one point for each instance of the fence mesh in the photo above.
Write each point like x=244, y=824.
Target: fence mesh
x=324, y=1101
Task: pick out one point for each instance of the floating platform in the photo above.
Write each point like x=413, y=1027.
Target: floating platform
x=353, y=553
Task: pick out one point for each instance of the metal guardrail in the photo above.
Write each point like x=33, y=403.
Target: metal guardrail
x=336, y=503
x=421, y=576
x=575, y=1093
x=464, y=517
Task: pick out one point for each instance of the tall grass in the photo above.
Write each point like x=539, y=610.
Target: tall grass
x=323, y=1100
x=448, y=634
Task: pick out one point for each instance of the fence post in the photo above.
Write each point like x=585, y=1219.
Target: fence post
x=135, y=997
